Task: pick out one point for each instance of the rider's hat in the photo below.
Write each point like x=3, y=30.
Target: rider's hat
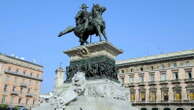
x=83, y=6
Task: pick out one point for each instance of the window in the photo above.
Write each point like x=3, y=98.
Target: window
x=152, y=68
x=142, y=95
x=122, y=80
x=27, y=100
x=12, y=99
x=20, y=100
x=30, y=81
x=174, y=65
x=30, y=74
x=131, y=79
x=175, y=75
x=37, y=75
x=141, y=68
x=132, y=96
x=151, y=76
x=9, y=68
x=163, y=76
x=5, y=87
x=131, y=69
x=21, y=90
x=15, y=79
x=191, y=94
x=152, y=96
x=34, y=101
x=141, y=78
x=122, y=71
x=7, y=77
x=14, y=89
x=3, y=100
x=177, y=95
x=189, y=74
x=17, y=70
x=162, y=66
x=24, y=72
x=188, y=63
x=165, y=95
x=28, y=90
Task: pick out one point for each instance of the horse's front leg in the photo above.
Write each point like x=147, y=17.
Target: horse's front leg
x=99, y=33
x=104, y=34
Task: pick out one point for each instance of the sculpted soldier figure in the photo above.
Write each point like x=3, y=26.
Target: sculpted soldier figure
x=88, y=23
x=82, y=17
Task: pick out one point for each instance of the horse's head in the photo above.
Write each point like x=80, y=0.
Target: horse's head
x=98, y=8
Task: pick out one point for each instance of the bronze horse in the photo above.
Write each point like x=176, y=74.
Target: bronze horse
x=96, y=25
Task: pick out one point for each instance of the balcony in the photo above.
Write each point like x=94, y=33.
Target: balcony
x=180, y=103
x=151, y=83
x=29, y=95
x=141, y=83
x=175, y=81
x=163, y=82
x=191, y=80
x=131, y=85
x=14, y=93
x=22, y=75
x=23, y=85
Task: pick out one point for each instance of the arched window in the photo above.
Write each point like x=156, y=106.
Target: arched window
x=143, y=108
x=166, y=108
x=179, y=109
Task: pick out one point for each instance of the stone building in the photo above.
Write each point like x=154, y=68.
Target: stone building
x=20, y=81
x=160, y=82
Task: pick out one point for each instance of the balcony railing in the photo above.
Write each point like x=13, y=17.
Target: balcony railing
x=29, y=95
x=23, y=85
x=141, y=83
x=175, y=81
x=164, y=82
x=191, y=80
x=191, y=103
x=152, y=82
x=22, y=75
x=14, y=93
x=131, y=85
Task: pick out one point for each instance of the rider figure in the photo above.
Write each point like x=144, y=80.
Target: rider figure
x=82, y=17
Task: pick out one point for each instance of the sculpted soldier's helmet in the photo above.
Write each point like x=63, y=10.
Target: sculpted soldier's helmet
x=84, y=6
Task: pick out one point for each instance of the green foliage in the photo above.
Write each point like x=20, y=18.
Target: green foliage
x=3, y=107
x=16, y=108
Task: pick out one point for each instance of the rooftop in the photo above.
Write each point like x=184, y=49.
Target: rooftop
x=154, y=58
x=18, y=61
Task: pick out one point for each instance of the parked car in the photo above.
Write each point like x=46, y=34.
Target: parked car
x=22, y=108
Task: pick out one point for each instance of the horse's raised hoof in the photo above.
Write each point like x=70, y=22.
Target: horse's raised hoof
x=60, y=34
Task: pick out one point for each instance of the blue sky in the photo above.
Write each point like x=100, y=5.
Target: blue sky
x=28, y=28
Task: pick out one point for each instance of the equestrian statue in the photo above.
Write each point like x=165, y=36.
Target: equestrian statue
x=88, y=23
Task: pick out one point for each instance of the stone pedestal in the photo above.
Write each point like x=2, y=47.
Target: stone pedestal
x=96, y=60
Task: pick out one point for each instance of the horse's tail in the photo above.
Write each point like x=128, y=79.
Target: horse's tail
x=67, y=30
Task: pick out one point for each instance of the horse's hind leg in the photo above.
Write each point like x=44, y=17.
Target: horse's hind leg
x=99, y=33
x=104, y=34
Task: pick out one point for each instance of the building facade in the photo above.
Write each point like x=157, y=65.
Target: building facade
x=160, y=82
x=20, y=81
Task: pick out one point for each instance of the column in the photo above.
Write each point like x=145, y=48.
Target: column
x=170, y=94
x=158, y=94
x=184, y=93
x=136, y=94
x=147, y=94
